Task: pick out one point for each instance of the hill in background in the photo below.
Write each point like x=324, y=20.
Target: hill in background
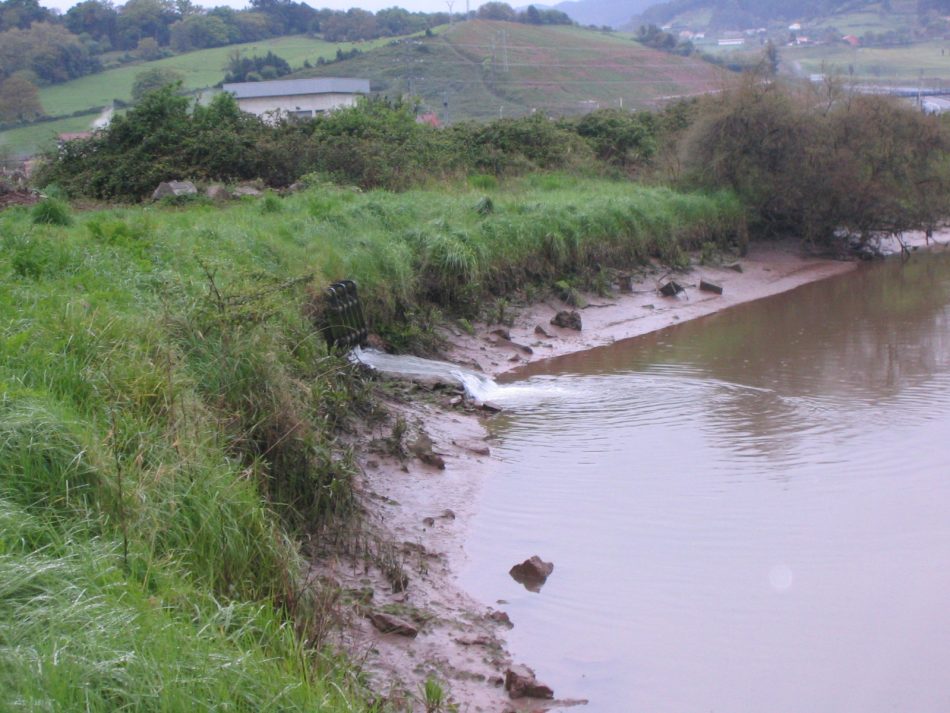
x=484, y=69
x=615, y=13
x=853, y=15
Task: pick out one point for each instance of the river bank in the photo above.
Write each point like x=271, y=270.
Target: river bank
x=422, y=500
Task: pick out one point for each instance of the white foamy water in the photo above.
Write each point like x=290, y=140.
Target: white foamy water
x=479, y=387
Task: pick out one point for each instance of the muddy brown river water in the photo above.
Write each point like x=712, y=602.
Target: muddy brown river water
x=748, y=513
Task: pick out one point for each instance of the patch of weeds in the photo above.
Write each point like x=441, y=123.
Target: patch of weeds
x=674, y=258
x=186, y=199
x=51, y=211
x=483, y=182
x=602, y=283
x=709, y=254
x=419, y=617
x=568, y=294
x=501, y=312
x=466, y=326
x=485, y=206
x=435, y=698
x=388, y=558
x=36, y=258
x=271, y=204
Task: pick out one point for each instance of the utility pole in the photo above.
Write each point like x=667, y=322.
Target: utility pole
x=504, y=40
x=450, y=4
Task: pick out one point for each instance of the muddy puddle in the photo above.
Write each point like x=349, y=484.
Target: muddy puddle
x=749, y=512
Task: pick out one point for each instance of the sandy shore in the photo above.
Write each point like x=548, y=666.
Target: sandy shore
x=418, y=511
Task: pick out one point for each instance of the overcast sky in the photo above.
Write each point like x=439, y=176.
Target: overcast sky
x=372, y=5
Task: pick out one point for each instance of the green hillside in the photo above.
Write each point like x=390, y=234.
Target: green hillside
x=486, y=69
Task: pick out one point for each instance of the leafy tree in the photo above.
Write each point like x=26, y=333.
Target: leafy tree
x=148, y=49
x=95, y=18
x=19, y=100
x=22, y=14
x=288, y=16
x=496, y=11
x=139, y=19
x=51, y=52
x=153, y=79
x=200, y=32
x=251, y=69
x=807, y=163
x=620, y=138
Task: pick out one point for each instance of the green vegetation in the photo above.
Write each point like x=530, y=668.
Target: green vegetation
x=376, y=144
x=170, y=421
x=811, y=161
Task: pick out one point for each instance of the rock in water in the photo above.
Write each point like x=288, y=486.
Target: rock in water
x=567, y=320
x=520, y=682
x=532, y=573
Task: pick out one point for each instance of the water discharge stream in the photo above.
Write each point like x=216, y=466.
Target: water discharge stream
x=747, y=513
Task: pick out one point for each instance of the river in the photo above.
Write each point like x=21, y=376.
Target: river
x=747, y=513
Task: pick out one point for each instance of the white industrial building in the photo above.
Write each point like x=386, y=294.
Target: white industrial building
x=297, y=97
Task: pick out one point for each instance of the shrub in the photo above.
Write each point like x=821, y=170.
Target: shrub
x=808, y=163
x=51, y=212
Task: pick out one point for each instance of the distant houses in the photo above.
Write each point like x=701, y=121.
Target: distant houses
x=304, y=98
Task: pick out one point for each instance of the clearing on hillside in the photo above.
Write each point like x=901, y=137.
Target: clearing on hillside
x=484, y=69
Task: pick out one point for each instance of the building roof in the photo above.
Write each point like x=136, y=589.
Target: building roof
x=291, y=87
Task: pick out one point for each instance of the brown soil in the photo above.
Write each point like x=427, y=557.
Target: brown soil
x=18, y=198
x=417, y=512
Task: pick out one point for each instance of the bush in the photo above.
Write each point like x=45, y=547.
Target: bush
x=807, y=164
x=51, y=211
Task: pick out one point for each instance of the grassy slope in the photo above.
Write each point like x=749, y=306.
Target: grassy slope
x=201, y=69
x=27, y=140
x=124, y=381
x=561, y=70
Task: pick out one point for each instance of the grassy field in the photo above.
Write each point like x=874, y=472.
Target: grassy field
x=28, y=140
x=170, y=421
x=931, y=60
x=488, y=69
x=872, y=18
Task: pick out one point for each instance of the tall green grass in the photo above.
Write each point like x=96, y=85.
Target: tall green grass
x=170, y=422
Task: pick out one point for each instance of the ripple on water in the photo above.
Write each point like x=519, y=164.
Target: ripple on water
x=745, y=518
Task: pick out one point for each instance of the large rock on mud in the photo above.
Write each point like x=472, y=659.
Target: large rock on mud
x=389, y=624
x=568, y=320
x=174, y=188
x=520, y=682
x=532, y=573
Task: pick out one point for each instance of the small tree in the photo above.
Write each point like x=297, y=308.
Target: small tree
x=19, y=100
x=152, y=79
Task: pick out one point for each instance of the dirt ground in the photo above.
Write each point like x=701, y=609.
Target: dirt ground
x=422, y=469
